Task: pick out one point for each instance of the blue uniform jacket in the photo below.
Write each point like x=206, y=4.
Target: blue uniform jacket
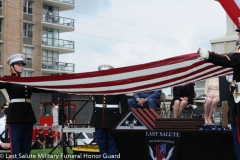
x=151, y=94
x=20, y=111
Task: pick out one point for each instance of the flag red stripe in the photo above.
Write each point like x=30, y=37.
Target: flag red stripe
x=156, y=85
x=159, y=63
x=151, y=76
x=142, y=78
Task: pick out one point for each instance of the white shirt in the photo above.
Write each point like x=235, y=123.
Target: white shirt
x=2, y=127
x=229, y=78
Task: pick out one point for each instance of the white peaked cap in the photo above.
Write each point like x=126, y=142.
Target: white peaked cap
x=104, y=67
x=16, y=58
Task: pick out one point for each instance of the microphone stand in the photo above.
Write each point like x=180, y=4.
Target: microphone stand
x=63, y=140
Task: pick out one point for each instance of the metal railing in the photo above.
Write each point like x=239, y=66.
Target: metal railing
x=58, y=20
x=66, y=1
x=58, y=42
x=60, y=66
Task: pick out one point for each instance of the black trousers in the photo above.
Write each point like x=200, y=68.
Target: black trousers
x=49, y=145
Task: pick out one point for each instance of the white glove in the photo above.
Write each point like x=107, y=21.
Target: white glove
x=203, y=53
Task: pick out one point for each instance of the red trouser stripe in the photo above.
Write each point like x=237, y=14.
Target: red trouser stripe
x=238, y=133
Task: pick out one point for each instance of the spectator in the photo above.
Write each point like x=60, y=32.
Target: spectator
x=47, y=17
x=212, y=100
x=145, y=99
x=182, y=96
x=50, y=138
x=40, y=139
x=4, y=139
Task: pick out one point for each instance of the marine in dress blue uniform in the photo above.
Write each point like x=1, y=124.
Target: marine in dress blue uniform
x=20, y=117
x=151, y=100
x=231, y=60
x=106, y=114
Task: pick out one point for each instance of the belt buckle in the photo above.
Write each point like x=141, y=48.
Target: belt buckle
x=104, y=106
x=27, y=100
x=237, y=94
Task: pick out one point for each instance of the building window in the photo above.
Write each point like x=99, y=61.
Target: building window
x=27, y=73
x=50, y=56
x=50, y=59
x=27, y=51
x=50, y=33
x=0, y=3
x=51, y=10
x=27, y=6
x=50, y=36
x=27, y=30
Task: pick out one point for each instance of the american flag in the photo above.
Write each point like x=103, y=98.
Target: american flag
x=160, y=150
x=163, y=149
x=138, y=78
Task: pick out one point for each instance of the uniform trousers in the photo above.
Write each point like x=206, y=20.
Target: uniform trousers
x=20, y=139
x=151, y=103
x=235, y=139
x=106, y=143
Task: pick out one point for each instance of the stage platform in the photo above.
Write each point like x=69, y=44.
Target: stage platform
x=189, y=144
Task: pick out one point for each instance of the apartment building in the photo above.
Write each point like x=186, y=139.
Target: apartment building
x=33, y=28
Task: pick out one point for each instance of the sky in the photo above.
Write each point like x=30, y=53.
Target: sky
x=129, y=32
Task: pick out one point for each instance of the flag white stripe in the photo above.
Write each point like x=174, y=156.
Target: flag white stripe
x=114, y=77
x=143, y=77
x=129, y=86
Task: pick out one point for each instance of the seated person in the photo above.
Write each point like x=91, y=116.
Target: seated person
x=212, y=99
x=4, y=139
x=40, y=139
x=145, y=99
x=182, y=96
x=50, y=138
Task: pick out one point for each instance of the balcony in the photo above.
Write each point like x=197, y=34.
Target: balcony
x=63, y=5
x=61, y=23
x=58, y=45
x=57, y=66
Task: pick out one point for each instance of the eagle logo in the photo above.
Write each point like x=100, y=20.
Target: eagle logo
x=161, y=152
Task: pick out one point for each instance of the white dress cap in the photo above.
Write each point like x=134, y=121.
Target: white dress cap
x=104, y=67
x=16, y=59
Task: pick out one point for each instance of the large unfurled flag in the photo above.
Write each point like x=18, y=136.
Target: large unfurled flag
x=138, y=78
